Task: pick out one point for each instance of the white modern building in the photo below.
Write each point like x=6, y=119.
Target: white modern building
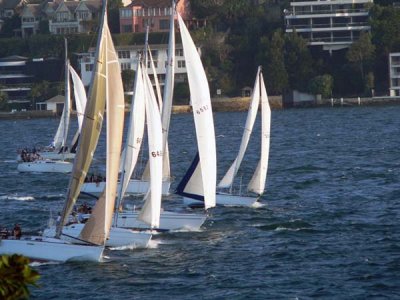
x=128, y=56
x=334, y=24
x=394, y=74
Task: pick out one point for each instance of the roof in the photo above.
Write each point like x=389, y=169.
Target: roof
x=56, y=99
x=150, y=3
x=9, y=4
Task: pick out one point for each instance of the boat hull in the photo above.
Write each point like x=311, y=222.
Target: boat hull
x=45, y=166
x=224, y=200
x=135, y=187
x=118, y=237
x=50, y=249
x=169, y=221
x=56, y=155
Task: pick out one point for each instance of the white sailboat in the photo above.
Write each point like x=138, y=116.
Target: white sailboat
x=95, y=232
x=203, y=185
x=257, y=182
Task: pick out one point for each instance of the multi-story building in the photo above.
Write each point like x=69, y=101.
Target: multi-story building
x=153, y=13
x=394, y=74
x=14, y=79
x=334, y=24
x=64, y=16
x=128, y=56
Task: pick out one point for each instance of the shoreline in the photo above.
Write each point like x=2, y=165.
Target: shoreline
x=235, y=104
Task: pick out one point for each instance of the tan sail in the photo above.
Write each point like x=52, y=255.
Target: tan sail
x=97, y=228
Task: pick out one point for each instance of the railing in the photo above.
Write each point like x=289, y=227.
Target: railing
x=333, y=25
x=326, y=12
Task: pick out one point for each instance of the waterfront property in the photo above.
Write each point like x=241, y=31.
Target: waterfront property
x=333, y=25
x=128, y=55
x=394, y=73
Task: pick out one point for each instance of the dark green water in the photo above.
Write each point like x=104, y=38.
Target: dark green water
x=329, y=227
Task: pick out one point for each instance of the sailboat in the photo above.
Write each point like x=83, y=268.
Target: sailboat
x=95, y=232
x=257, y=182
x=203, y=187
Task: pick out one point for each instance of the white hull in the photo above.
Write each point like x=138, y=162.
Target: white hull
x=119, y=237
x=50, y=249
x=56, y=155
x=135, y=187
x=225, y=200
x=168, y=221
x=45, y=166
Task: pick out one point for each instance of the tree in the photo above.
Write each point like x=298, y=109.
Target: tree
x=321, y=85
x=298, y=61
x=276, y=76
x=10, y=24
x=113, y=14
x=128, y=77
x=44, y=27
x=15, y=276
x=362, y=53
x=3, y=99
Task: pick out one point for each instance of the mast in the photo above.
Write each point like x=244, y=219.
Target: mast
x=67, y=101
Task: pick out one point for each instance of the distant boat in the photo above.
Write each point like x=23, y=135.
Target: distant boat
x=257, y=183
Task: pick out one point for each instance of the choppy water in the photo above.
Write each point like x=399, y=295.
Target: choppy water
x=329, y=228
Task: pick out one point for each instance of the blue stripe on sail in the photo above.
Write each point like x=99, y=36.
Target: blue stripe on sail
x=180, y=190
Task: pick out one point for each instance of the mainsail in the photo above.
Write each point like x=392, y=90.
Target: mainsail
x=134, y=134
x=203, y=118
x=151, y=210
x=80, y=96
x=106, y=82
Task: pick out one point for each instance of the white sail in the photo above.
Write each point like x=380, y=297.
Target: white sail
x=257, y=183
x=80, y=96
x=134, y=134
x=227, y=180
x=61, y=136
x=203, y=118
x=151, y=210
x=156, y=83
x=168, y=93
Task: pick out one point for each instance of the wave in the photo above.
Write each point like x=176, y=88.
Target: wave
x=17, y=198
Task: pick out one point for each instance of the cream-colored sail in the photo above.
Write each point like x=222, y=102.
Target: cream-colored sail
x=151, y=210
x=257, y=182
x=104, y=208
x=227, y=180
x=202, y=111
x=91, y=128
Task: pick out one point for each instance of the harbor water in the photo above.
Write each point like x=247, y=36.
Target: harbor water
x=327, y=227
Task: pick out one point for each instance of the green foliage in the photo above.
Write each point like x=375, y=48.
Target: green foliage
x=44, y=27
x=181, y=93
x=298, y=61
x=15, y=276
x=128, y=77
x=3, y=99
x=322, y=85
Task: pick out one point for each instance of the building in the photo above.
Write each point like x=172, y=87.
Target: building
x=14, y=79
x=136, y=16
x=333, y=25
x=128, y=56
x=54, y=104
x=63, y=17
x=9, y=8
x=394, y=74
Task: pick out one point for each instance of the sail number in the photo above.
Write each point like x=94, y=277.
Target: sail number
x=156, y=153
x=202, y=109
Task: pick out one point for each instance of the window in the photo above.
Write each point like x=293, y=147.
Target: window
x=154, y=53
x=88, y=67
x=125, y=66
x=164, y=24
x=155, y=64
x=126, y=13
x=83, y=15
x=178, y=52
x=124, y=54
x=181, y=64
